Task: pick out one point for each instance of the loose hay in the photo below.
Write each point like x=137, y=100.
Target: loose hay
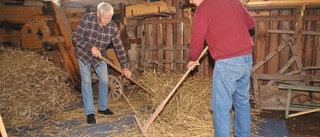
x=31, y=86
x=187, y=113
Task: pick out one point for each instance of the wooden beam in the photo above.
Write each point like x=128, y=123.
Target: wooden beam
x=286, y=77
x=312, y=17
x=310, y=33
x=60, y=26
x=281, y=4
x=304, y=112
x=164, y=21
x=292, y=32
x=304, y=69
x=18, y=14
x=274, y=18
x=281, y=31
x=286, y=18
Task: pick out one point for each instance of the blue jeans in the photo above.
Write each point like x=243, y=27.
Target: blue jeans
x=230, y=87
x=86, y=86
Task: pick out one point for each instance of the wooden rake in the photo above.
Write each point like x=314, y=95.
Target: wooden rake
x=144, y=127
x=119, y=70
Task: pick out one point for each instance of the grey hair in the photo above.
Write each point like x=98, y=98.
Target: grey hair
x=106, y=8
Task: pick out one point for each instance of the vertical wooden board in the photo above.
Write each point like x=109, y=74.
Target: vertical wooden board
x=209, y=71
x=146, y=44
x=167, y=40
x=143, y=50
x=151, y=35
x=260, y=45
x=299, y=37
x=159, y=39
x=145, y=34
x=206, y=66
x=201, y=67
x=168, y=43
x=178, y=35
x=266, y=52
x=152, y=42
x=157, y=33
x=285, y=25
x=187, y=29
x=309, y=45
x=149, y=43
x=160, y=57
x=272, y=64
x=169, y=36
x=317, y=48
x=160, y=42
x=179, y=43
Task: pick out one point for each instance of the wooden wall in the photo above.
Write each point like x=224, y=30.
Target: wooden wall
x=297, y=30
x=287, y=42
x=165, y=40
x=275, y=27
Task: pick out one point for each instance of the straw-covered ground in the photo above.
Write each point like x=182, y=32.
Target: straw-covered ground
x=187, y=112
x=31, y=87
x=37, y=100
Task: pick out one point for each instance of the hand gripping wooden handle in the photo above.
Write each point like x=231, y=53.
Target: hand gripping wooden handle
x=119, y=70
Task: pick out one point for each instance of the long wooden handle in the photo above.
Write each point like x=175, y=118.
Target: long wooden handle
x=161, y=106
x=304, y=112
x=2, y=129
x=119, y=70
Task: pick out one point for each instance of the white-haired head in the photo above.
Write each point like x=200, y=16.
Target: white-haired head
x=105, y=8
x=104, y=13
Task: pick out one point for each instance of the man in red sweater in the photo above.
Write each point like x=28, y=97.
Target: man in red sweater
x=227, y=27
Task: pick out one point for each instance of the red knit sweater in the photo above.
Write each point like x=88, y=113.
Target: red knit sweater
x=224, y=24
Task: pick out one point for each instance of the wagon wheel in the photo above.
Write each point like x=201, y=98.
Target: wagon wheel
x=115, y=87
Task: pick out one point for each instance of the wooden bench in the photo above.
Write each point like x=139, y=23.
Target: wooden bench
x=291, y=88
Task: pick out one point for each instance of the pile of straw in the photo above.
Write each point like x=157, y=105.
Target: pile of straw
x=31, y=86
x=186, y=113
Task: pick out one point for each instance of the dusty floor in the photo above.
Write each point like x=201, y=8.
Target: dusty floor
x=300, y=126
x=73, y=123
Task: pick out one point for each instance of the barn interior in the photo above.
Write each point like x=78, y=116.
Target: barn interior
x=41, y=95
